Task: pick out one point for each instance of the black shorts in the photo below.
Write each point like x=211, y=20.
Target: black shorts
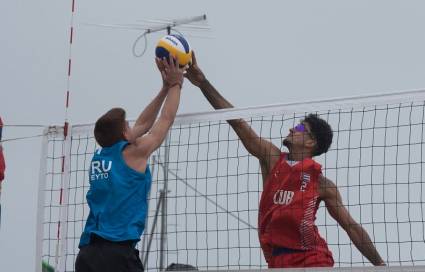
x=105, y=256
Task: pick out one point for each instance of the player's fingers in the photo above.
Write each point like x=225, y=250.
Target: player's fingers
x=165, y=64
x=159, y=64
x=184, y=69
x=176, y=63
x=171, y=59
x=194, y=58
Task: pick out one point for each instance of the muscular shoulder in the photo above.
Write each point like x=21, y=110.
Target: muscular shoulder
x=268, y=163
x=325, y=182
x=327, y=187
x=133, y=158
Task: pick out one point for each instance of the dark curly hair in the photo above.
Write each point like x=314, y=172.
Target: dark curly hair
x=322, y=133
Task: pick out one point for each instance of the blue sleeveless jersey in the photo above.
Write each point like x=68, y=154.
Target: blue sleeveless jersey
x=118, y=197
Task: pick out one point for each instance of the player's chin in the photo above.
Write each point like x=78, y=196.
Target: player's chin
x=286, y=142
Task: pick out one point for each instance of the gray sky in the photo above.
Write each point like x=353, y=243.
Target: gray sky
x=262, y=52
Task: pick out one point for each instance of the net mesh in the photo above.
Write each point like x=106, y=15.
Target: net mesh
x=214, y=185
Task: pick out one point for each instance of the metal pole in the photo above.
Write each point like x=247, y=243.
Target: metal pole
x=144, y=249
x=40, y=201
x=164, y=204
x=176, y=23
x=148, y=249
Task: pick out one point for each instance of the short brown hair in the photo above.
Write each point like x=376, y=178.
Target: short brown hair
x=109, y=128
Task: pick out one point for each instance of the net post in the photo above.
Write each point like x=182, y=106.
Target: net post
x=63, y=213
x=144, y=246
x=40, y=202
x=164, y=203
x=148, y=247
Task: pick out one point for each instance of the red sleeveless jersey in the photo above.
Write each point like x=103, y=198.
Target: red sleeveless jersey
x=288, y=207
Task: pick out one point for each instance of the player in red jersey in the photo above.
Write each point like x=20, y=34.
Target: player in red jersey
x=293, y=187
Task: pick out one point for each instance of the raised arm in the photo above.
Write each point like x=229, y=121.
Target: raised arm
x=261, y=148
x=148, y=116
x=149, y=142
x=358, y=235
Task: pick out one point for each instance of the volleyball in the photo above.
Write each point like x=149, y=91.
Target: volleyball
x=177, y=46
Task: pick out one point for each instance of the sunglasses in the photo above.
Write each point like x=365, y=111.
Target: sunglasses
x=302, y=128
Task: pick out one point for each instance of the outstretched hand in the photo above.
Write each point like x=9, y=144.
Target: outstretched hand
x=194, y=73
x=170, y=71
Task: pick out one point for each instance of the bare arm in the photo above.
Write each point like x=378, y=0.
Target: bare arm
x=150, y=142
x=148, y=116
x=261, y=148
x=358, y=235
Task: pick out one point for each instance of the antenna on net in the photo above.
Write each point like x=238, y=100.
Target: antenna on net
x=190, y=24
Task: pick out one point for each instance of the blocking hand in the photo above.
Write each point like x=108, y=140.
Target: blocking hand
x=171, y=73
x=194, y=73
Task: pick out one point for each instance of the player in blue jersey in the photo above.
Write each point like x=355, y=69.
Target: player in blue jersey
x=120, y=179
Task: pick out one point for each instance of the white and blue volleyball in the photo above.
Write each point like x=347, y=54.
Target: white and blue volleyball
x=177, y=46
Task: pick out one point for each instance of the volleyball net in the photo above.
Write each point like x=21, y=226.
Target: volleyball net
x=203, y=205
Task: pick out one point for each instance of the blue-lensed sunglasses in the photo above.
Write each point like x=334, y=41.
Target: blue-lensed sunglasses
x=302, y=128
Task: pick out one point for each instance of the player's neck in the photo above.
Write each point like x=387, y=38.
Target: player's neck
x=298, y=155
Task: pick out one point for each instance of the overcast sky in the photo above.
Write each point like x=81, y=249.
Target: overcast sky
x=258, y=52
